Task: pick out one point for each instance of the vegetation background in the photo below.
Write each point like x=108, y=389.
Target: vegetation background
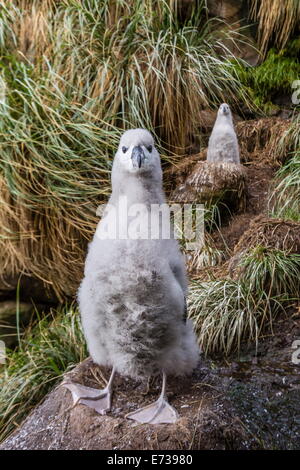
x=73, y=75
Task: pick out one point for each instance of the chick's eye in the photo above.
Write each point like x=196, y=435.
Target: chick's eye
x=124, y=149
x=149, y=148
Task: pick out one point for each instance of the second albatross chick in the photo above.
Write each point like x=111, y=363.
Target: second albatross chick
x=132, y=297
x=223, y=144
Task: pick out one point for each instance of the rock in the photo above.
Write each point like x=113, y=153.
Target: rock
x=8, y=320
x=225, y=9
x=205, y=423
x=239, y=406
x=235, y=13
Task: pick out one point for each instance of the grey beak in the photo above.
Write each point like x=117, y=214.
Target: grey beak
x=137, y=156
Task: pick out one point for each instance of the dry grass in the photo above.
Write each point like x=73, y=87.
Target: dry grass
x=207, y=256
x=75, y=74
x=261, y=141
x=44, y=241
x=271, y=233
x=277, y=20
x=211, y=183
x=177, y=173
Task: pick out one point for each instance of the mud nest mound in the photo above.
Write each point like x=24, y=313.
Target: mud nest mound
x=271, y=233
x=259, y=141
x=210, y=183
x=176, y=174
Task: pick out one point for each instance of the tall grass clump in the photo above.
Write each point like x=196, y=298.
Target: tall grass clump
x=273, y=271
x=277, y=21
x=229, y=313
x=149, y=68
x=226, y=313
x=74, y=75
x=51, y=347
x=291, y=138
x=54, y=171
x=284, y=201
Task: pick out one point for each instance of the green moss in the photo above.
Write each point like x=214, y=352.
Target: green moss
x=273, y=77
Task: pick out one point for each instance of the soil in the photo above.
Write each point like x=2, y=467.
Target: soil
x=258, y=183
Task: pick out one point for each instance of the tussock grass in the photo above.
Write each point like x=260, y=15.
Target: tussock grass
x=260, y=280
x=291, y=138
x=276, y=21
x=285, y=197
x=74, y=74
x=227, y=313
x=271, y=233
x=207, y=255
x=264, y=141
x=273, y=271
x=51, y=347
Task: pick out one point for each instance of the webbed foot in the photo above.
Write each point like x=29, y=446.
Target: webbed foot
x=157, y=413
x=99, y=400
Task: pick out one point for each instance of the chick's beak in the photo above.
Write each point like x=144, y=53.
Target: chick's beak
x=137, y=156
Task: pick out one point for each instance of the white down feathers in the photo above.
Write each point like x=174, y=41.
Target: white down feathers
x=132, y=297
x=223, y=144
